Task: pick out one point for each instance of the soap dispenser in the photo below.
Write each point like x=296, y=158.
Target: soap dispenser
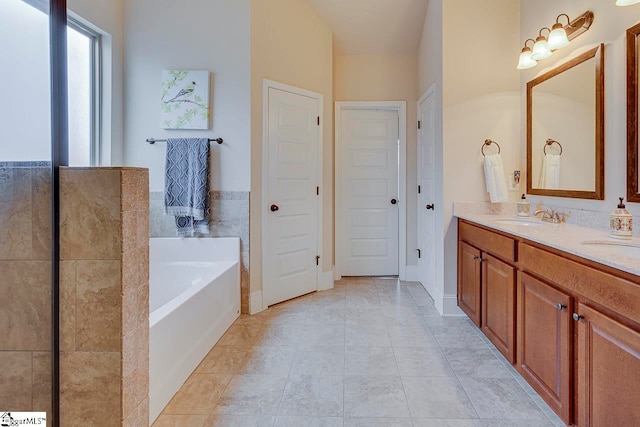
x=524, y=208
x=621, y=222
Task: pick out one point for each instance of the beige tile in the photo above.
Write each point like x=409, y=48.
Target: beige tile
x=90, y=225
x=252, y=395
x=25, y=318
x=98, y=306
x=129, y=231
x=129, y=183
x=219, y=420
x=240, y=335
x=15, y=214
x=224, y=360
x=16, y=380
x=199, y=395
x=67, y=305
x=167, y=420
x=132, y=420
x=90, y=388
x=41, y=213
x=42, y=381
x=143, y=412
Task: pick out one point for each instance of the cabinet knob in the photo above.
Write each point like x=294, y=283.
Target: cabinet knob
x=274, y=208
x=394, y=201
x=431, y=207
x=476, y=257
x=561, y=306
x=577, y=316
x=483, y=260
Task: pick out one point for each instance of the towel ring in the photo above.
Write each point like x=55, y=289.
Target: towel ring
x=489, y=142
x=551, y=142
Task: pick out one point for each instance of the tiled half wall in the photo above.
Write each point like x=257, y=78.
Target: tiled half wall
x=104, y=297
x=229, y=218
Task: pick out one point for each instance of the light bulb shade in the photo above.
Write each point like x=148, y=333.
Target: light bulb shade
x=626, y=2
x=541, y=49
x=557, y=38
x=525, y=61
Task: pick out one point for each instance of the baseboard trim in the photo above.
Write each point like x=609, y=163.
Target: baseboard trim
x=256, y=302
x=450, y=306
x=412, y=273
x=325, y=280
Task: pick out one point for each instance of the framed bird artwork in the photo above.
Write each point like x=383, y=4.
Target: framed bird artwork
x=184, y=101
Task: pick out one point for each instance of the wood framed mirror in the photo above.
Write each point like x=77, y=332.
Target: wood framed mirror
x=565, y=129
x=633, y=159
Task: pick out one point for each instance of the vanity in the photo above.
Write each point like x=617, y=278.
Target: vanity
x=564, y=311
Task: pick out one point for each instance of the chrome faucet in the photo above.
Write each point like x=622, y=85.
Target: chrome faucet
x=551, y=216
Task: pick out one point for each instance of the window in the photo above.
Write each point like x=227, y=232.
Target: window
x=83, y=70
x=30, y=130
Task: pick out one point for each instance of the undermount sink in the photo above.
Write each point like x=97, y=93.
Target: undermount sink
x=618, y=247
x=523, y=222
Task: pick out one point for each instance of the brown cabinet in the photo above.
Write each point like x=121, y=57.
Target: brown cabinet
x=571, y=326
x=544, y=342
x=469, y=281
x=486, y=285
x=608, y=371
x=498, y=304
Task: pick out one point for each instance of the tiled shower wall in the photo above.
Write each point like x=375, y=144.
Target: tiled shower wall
x=104, y=297
x=25, y=288
x=229, y=218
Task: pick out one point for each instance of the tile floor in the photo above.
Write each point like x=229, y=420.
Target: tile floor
x=372, y=352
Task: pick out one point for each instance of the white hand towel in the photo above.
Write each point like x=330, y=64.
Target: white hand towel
x=550, y=174
x=495, y=179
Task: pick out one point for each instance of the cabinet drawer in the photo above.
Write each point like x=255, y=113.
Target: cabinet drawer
x=492, y=242
x=615, y=293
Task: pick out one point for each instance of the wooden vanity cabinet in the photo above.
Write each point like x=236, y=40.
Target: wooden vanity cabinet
x=469, y=281
x=544, y=337
x=571, y=325
x=608, y=371
x=486, y=284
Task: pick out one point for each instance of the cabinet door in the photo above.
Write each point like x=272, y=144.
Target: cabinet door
x=608, y=383
x=498, y=304
x=469, y=281
x=544, y=350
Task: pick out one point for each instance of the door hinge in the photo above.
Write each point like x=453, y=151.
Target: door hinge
x=318, y=120
x=419, y=253
x=419, y=124
x=317, y=259
x=317, y=191
x=419, y=189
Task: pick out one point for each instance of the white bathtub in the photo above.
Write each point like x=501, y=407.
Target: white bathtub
x=194, y=296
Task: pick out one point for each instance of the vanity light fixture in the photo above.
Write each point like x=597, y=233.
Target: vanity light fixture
x=626, y=2
x=541, y=47
x=526, y=61
x=559, y=37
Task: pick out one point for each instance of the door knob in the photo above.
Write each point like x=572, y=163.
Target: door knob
x=431, y=207
x=274, y=208
x=577, y=316
x=394, y=201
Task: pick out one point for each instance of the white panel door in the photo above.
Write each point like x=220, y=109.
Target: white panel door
x=427, y=196
x=369, y=140
x=291, y=201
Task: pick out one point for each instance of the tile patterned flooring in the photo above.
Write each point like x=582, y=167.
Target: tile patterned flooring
x=372, y=352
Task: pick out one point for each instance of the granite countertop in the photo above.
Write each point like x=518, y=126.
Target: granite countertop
x=568, y=238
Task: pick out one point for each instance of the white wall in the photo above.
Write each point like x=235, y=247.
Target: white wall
x=608, y=27
x=386, y=78
x=211, y=35
x=292, y=45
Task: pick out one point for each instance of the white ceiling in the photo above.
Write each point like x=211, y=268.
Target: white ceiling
x=373, y=26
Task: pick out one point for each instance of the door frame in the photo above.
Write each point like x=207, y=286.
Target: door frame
x=401, y=108
x=271, y=84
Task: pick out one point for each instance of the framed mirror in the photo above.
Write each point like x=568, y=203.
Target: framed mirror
x=633, y=159
x=565, y=129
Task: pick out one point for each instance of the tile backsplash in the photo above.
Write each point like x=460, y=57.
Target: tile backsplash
x=229, y=218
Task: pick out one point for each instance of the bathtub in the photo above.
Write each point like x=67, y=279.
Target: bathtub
x=194, y=296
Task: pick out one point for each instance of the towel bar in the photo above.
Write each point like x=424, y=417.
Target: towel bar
x=153, y=140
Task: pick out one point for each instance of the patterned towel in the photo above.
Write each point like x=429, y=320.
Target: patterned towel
x=186, y=194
